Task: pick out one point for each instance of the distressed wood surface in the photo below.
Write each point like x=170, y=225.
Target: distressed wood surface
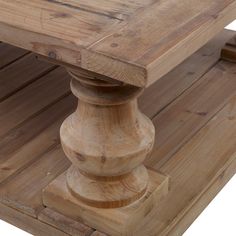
x=27, y=223
x=132, y=41
x=172, y=85
x=190, y=119
x=65, y=224
x=203, y=160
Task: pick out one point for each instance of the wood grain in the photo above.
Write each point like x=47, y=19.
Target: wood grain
x=135, y=42
x=190, y=112
x=65, y=224
x=117, y=9
x=28, y=223
x=169, y=87
x=107, y=169
x=20, y=148
x=21, y=73
x=114, y=221
x=211, y=165
x=28, y=102
x=10, y=54
x=155, y=41
x=23, y=192
x=210, y=159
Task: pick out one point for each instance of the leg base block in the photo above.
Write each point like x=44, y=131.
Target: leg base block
x=118, y=221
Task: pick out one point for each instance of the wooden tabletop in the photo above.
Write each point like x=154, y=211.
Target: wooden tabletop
x=134, y=41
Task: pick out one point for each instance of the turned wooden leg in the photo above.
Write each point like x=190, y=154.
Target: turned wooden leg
x=107, y=139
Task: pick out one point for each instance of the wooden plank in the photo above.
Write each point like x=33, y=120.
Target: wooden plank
x=20, y=74
x=189, y=113
x=167, y=89
x=9, y=54
x=138, y=50
x=35, y=97
x=200, y=164
x=191, y=213
x=65, y=224
x=155, y=41
x=118, y=9
x=28, y=223
x=23, y=192
x=25, y=144
x=76, y=26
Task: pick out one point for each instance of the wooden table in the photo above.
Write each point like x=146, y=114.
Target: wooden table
x=113, y=50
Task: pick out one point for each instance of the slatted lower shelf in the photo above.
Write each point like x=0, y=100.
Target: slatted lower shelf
x=193, y=109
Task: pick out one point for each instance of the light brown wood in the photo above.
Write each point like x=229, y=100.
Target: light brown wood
x=202, y=201
x=60, y=198
x=116, y=221
x=28, y=223
x=173, y=129
x=65, y=224
x=209, y=169
x=136, y=42
x=167, y=39
x=106, y=139
x=25, y=194
x=24, y=144
x=17, y=145
x=210, y=159
x=161, y=94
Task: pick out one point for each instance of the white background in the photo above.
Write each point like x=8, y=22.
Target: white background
x=218, y=219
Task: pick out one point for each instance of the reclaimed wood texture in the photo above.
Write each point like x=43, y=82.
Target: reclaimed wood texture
x=187, y=123
x=136, y=42
x=117, y=133
x=66, y=224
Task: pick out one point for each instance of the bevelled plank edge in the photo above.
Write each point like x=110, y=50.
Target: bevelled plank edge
x=114, y=68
